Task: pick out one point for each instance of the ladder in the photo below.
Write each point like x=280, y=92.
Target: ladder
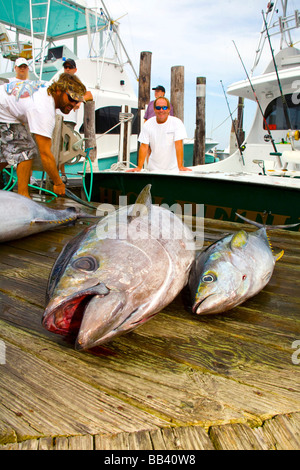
x=39, y=18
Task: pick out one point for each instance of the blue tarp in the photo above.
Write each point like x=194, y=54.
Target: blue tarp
x=67, y=18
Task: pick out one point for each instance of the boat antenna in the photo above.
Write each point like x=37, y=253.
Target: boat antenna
x=284, y=103
x=233, y=125
x=259, y=106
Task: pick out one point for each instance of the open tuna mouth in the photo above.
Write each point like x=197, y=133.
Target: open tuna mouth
x=65, y=318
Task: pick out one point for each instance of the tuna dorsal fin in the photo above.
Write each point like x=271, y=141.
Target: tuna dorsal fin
x=142, y=205
x=239, y=239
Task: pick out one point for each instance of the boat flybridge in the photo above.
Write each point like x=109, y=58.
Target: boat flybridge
x=61, y=29
x=272, y=146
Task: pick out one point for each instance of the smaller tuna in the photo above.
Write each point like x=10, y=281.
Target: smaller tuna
x=230, y=271
x=20, y=216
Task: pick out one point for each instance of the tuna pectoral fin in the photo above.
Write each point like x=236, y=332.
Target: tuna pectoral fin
x=267, y=227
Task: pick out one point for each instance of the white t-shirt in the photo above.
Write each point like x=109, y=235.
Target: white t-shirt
x=37, y=110
x=11, y=110
x=41, y=117
x=162, y=138
x=71, y=117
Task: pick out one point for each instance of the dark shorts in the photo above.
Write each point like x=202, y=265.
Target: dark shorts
x=16, y=144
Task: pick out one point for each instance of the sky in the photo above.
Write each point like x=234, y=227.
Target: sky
x=198, y=35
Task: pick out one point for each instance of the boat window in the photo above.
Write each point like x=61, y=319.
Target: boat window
x=55, y=53
x=108, y=117
x=274, y=113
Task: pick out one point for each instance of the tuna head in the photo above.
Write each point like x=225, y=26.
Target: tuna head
x=229, y=272
x=96, y=288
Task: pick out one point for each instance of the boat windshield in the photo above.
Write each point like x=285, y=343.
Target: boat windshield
x=274, y=113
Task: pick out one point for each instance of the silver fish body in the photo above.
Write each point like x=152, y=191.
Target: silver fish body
x=118, y=274
x=230, y=271
x=20, y=216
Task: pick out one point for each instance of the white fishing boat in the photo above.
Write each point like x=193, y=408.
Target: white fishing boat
x=46, y=33
x=51, y=28
x=263, y=174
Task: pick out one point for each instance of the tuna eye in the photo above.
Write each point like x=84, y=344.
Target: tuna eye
x=86, y=263
x=209, y=278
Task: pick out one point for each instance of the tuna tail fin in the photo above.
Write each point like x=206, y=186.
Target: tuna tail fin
x=142, y=205
x=267, y=227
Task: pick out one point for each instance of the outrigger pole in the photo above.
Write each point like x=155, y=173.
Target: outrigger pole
x=284, y=103
x=233, y=124
x=277, y=154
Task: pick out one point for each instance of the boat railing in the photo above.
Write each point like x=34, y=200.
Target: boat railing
x=282, y=26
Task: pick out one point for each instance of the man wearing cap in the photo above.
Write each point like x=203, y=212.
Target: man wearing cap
x=162, y=137
x=70, y=67
x=37, y=108
x=159, y=91
x=21, y=69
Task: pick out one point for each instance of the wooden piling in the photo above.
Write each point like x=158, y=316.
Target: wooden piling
x=144, y=85
x=199, y=143
x=177, y=91
x=90, y=129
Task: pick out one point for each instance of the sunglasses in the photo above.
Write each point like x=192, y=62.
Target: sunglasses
x=71, y=99
x=161, y=107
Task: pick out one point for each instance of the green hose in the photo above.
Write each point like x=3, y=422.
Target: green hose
x=87, y=159
x=7, y=188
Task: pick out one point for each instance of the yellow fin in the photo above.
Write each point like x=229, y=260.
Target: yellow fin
x=239, y=240
x=279, y=256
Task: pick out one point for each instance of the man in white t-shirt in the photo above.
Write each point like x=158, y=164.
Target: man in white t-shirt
x=34, y=103
x=164, y=135
x=70, y=67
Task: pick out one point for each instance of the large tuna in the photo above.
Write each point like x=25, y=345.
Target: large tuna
x=119, y=273
x=20, y=216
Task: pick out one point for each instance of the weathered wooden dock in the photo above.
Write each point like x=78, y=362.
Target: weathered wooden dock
x=179, y=382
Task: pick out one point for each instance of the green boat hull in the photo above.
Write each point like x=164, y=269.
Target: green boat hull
x=221, y=198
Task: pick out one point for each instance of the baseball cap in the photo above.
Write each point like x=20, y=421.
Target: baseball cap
x=160, y=87
x=21, y=61
x=75, y=96
x=70, y=62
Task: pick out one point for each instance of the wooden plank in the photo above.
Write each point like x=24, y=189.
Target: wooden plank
x=284, y=432
x=130, y=374
x=7, y=433
x=81, y=442
x=51, y=402
x=162, y=386
x=237, y=437
x=186, y=438
x=279, y=433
